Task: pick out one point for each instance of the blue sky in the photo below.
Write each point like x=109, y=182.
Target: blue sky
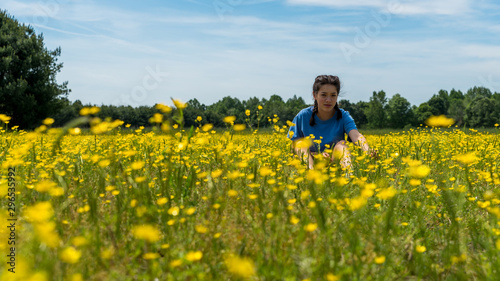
x=144, y=52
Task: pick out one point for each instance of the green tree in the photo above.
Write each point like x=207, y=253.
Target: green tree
x=481, y=112
x=399, y=113
x=293, y=106
x=356, y=110
x=439, y=103
x=28, y=89
x=192, y=111
x=375, y=112
x=422, y=113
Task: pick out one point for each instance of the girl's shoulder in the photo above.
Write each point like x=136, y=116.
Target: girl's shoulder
x=306, y=111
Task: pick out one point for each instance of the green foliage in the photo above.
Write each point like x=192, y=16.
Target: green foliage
x=422, y=113
x=481, y=112
x=376, y=112
x=28, y=88
x=399, y=113
x=356, y=110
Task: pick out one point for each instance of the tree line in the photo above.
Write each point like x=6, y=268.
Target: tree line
x=478, y=107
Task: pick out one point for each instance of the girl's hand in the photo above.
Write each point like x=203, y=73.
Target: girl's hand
x=373, y=153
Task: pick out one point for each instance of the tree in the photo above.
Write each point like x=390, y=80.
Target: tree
x=439, y=103
x=356, y=110
x=376, y=110
x=454, y=94
x=481, y=112
x=457, y=111
x=399, y=113
x=192, y=111
x=422, y=113
x=28, y=89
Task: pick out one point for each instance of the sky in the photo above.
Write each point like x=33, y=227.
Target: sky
x=147, y=52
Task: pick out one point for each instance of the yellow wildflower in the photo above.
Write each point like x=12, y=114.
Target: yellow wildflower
x=229, y=119
x=439, y=121
x=239, y=266
x=70, y=255
x=194, y=256
x=146, y=232
x=380, y=259
x=420, y=249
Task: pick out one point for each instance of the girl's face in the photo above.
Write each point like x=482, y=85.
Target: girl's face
x=326, y=98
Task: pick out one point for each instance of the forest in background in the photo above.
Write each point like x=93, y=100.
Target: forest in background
x=477, y=108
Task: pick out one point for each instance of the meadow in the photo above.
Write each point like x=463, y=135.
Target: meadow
x=181, y=204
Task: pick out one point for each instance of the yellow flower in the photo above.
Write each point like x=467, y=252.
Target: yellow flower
x=229, y=119
x=46, y=233
x=150, y=256
x=415, y=182
x=75, y=131
x=420, y=249
x=4, y=118
x=45, y=186
x=174, y=211
x=79, y=241
x=163, y=108
x=190, y=211
x=48, y=121
x=259, y=107
x=74, y=277
x=162, y=201
x=70, y=255
x=265, y=171
x=207, y=127
x=357, y=203
x=380, y=259
x=439, y=121
x=239, y=266
x=176, y=263
x=332, y=277
x=104, y=163
x=239, y=127
x=303, y=143
x=420, y=172
x=199, y=118
x=232, y=193
x=179, y=104
x=310, y=227
x=216, y=173
x=40, y=212
x=247, y=112
x=467, y=158
x=89, y=110
x=294, y=220
x=387, y=193
x=194, y=256
x=137, y=165
x=146, y=232
x=201, y=229
x=157, y=118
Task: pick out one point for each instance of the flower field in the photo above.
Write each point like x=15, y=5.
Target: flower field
x=238, y=205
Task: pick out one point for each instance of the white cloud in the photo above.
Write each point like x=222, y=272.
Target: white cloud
x=402, y=7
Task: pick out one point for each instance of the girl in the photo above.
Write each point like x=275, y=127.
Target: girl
x=327, y=123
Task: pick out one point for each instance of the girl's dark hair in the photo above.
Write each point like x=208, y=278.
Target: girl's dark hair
x=318, y=83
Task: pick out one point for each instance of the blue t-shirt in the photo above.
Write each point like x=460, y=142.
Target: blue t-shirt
x=331, y=130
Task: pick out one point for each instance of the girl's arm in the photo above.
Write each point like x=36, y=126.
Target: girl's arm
x=360, y=140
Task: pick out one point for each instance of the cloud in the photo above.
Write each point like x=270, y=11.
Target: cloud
x=401, y=7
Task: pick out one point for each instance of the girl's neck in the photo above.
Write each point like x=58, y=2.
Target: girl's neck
x=325, y=115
